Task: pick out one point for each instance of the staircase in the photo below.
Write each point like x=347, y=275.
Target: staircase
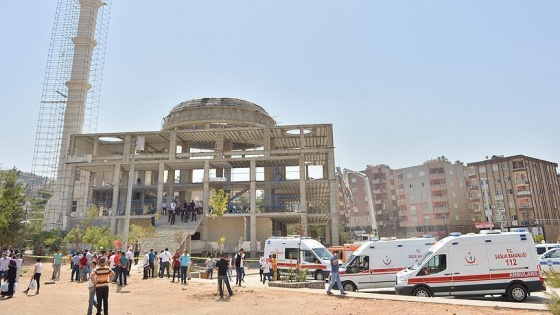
x=165, y=233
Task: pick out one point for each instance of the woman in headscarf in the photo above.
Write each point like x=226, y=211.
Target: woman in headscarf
x=11, y=278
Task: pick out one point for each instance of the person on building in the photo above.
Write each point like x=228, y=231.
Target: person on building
x=222, y=265
x=193, y=212
x=210, y=266
x=176, y=266
x=164, y=208
x=262, y=261
x=136, y=248
x=123, y=269
x=11, y=278
x=172, y=222
x=185, y=260
x=165, y=262
x=37, y=270
x=101, y=278
x=335, y=275
x=240, y=263
x=171, y=210
x=57, y=261
x=91, y=290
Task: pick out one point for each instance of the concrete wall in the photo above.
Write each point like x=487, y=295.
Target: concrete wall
x=233, y=228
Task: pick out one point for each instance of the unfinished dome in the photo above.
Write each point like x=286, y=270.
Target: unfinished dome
x=208, y=113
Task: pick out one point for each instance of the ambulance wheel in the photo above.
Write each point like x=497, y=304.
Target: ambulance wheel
x=349, y=287
x=319, y=275
x=517, y=293
x=422, y=292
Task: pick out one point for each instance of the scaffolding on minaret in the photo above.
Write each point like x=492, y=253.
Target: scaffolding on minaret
x=54, y=98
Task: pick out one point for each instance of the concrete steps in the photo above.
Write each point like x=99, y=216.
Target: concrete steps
x=165, y=234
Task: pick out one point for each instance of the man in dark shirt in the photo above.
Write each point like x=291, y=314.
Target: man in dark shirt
x=222, y=266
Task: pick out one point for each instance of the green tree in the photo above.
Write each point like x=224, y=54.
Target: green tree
x=552, y=279
x=218, y=202
x=77, y=233
x=139, y=233
x=99, y=236
x=12, y=203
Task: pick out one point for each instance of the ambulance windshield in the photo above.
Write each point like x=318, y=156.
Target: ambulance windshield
x=421, y=261
x=322, y=253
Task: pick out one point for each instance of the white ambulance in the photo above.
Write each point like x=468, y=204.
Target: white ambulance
x=314, y=256
x=375, y=263
x=476, y=264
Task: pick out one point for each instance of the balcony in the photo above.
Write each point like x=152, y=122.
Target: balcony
x=378, y=181
x=439, y=198
x=523, y=193
x=519, y=166
x=473, y=187
x=499, y=197
x=521, y=182
x=378, y=201
x=526, y=206
x=441, y=210
x=401, y=202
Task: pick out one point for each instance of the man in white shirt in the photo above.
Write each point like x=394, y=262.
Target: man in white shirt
x=171, y=210
x=112, y=262
x=129, y=255
x=146, y=265
x=4, y=263
x=165, y=259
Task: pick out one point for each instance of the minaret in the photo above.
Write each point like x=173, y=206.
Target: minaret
x=60, y=205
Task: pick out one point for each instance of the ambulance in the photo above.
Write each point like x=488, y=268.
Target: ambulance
x=314, y=256
x=375, y=263
x=489, y=263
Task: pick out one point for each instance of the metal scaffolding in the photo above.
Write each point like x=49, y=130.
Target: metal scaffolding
x=55, y=92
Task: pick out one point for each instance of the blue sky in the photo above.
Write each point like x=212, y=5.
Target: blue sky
x=401, y=81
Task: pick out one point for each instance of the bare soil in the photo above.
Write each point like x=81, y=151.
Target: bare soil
x=160, y=296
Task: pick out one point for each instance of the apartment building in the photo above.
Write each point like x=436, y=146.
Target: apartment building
x=432, y=199
x=516, y=193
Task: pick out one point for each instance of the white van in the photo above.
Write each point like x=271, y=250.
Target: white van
x=374, y=264
x=550, y=260
x=476, y=264
x=314, y=256
x=543, y=248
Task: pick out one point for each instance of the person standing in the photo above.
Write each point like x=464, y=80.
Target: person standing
x=57, y=260
x=210, y=266
x=152, y=258
x=11, y=278
x=129, y=256
x=335, y=275
x=4, y=263
x=223, y=266
x=19, y=264
x=240, y=263
x=171, y=210
x=262, y=261
x=176, y=266
x=136, y=248
x=146, y=265
x=101, y=278
x=165, y=261
x=76, y=267
x=267, y=269
x=185, y=260
x=164, y=207
x=91, y=291
x=37, y=270
x=123, y=269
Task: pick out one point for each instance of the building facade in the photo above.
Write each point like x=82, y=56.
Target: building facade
x=516, y=193
x=275, y=175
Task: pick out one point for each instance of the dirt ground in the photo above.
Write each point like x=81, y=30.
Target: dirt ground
x=160, y=296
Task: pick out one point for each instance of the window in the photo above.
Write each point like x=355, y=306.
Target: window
x=456, y=217
x=353, y=179
x=410, y=186
x=455, y=206
x=308, y=256
x=358, y=263
x=354, y=190
x=450, y=172
x=424, y=196
x=426, y=207
x=454, y=194
x=409, y=175
x=74, y=206
x=412, y=209
x=365, y=199
x=495, y=167
x=505, y=166
x=497, y=180
x=77, y=175
x=507, y=178
x=509, y=191
x=411, y=197
x=481, y=170
x=421, y=173
x=291, y=253
x=437, y=264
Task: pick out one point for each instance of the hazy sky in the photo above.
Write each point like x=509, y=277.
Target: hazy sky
x=401, y=81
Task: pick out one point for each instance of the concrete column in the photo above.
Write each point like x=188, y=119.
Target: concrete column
x=333, y=202
x=253, y=204
x=160, y=182
x=172, y=144
x=205, y=200
x=115, y=201
x=303, y=193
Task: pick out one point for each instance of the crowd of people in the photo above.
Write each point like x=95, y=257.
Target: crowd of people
x=184, y=210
